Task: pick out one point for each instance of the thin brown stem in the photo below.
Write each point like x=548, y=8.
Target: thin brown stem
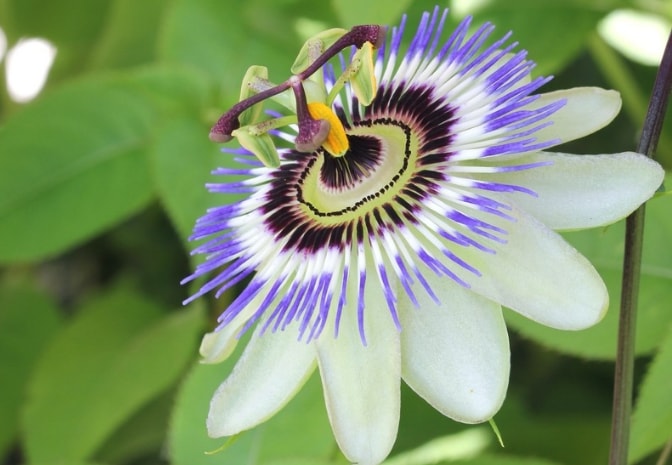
x=634, y=234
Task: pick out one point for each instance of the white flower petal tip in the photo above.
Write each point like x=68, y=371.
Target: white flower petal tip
x=586, y=110
x=362, y=385
x=456, y=356
x=217, y=346
x=585, y=191
x=539, y=275
x=271, y=370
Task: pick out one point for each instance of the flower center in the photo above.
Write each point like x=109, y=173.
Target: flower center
x=367, y=176
x=398, y=149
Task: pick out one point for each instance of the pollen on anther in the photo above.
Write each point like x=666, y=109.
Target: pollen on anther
x=337, y=141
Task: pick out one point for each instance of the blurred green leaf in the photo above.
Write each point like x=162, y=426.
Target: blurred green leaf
x=115, y=356
x=652, y=418
x=568, y=434
x=489, y=459
x=28, y=320
x=130, y=34
x=74, y=162
x=224, y=41
x=72, y=462
x=294, y=461
x=71, y=22
x=306, y=413
x=541, y=27
x=421, y=422
x=182, y=158
x=354, y=12
x=604, y=248
x=299, y=432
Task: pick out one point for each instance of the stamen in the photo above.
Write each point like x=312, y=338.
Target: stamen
x=357, y=36
x=228, y=122
x=312, y=132
x=336, y=142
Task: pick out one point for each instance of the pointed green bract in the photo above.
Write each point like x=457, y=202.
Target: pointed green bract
x=363, y=79
x=260, y=145
x=252, y=114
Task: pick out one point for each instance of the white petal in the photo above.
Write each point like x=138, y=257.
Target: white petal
x=587, y=110
x=271, y=370
x=217, y=346
x=362, y=383
x=584, y=191
x=542, y=277
x=456, y=355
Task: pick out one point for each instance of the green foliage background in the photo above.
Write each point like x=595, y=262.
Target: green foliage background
x=101, y=179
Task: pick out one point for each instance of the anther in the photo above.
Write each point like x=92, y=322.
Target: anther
x=336, y=142
x=312, y=132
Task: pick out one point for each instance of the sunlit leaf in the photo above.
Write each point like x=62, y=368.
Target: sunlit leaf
x=28, y=320
x=459, y=446
x=188, y=439
x=114, y=357
x=74, y=163
x=652, y=418
x=501, y=460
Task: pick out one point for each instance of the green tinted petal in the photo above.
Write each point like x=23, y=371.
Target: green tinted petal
x=247, y=398
x=261, y=146
x=363, y=80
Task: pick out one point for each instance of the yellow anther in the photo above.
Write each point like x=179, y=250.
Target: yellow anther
x=336, y=142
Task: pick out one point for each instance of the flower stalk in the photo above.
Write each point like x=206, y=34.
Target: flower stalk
x=632, y=260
